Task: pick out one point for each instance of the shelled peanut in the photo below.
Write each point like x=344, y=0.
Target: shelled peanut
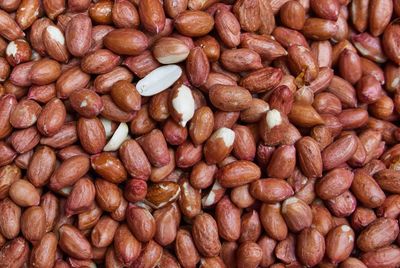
x=191, y=133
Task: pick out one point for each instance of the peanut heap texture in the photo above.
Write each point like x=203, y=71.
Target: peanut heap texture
x=199, y=133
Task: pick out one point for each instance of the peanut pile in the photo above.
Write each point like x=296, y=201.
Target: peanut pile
x=199, y=133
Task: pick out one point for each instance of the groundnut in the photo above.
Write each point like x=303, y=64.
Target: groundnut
x=199, y=133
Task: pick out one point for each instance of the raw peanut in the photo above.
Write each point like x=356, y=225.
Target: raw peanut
x=350, y=58
x=108, y=195
x=241, y=196
x=81, y=197
x=362, y=217
x=109, y=167
x=389, y=208
x=240, y=60
x=53, y=8
x=155, y=147
x=283, y=154
x=65, y=136
x=369, y=46
x=52, y=117
x=273, y=222
x=244, y=147
x=185, y=249
x=228, y=219
x=342, y=205
x=33, y=224
x=166, y=225
x=158, y=174
x=44, y=253
x=7, y=154
x=91, y=135
x=250, y=227
x=104, y=231
x=219, y=145
x=152, y=16
x=309, y=156
x=225, y=119
x=78, y=35
x=25, y=114
x=161, y=194
x=50, y=205
x=19, y=76
x=126, y=96
x=319, y=29
x=302, y=62
x=86, y=102
x=24, y=194
x=141, y=223
x=74, y=243
x=15, y=253
x=151, y=255
x=189, y=200
x=339, y=151
x=334, y=183
x=262, y=80
x=10, y=219
x=70, y=171
x=54, y=43
x=367, y=190
x=297, y=214
x=44, y=72
x=391, y=48
x=311, y=240
x=99, y=62
x=322, y=219
x=379, y=16
x=205, y=235
x=135, y=160
x=126, y=41
x=230, y=98
x=127, y=247
x=104, y=82
x=270, y=190
x=225, y=20
x=112, y=112
x=8, y=175
x=27, y=13
x=285, y=249
x=183, y=23
x=378, y=234
x=9, y=28
x=24, y=140
x=292, y=14
x=71, y=80
x=267, y=245
x=89, y=218
x=322, y=51
x=197, y=67
x=339, y=243
x=125, y=15
x=141, y=65
x=181, y=104
x=304, y=115
x=41, y=166
x=326, y=9
x=17, y=52
x=135, y=190
x=101, y=12
x=386, y=256
x=249, y=254
x=238, y=173
x=169, y=50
